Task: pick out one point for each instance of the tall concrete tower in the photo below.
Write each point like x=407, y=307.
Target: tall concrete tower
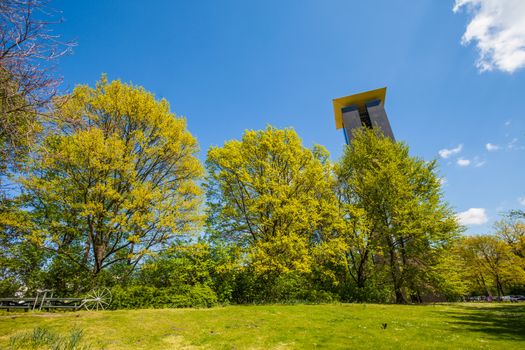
x=362, y=110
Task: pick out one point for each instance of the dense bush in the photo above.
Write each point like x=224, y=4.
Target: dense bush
x=294, y=287
x=284, y=288
x=136, y=297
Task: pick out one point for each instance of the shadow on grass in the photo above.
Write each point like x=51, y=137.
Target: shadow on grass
x=504, y=321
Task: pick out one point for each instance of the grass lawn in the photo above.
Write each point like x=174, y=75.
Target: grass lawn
x=334, y=326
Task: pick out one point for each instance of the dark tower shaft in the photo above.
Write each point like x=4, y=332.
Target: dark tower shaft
x=362, y=110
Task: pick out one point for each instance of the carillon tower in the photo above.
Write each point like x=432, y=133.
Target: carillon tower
x=362, y=110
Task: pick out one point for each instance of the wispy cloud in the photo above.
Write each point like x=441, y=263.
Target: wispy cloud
x=479, y=163
x=514, y=145
x=445, y=153
x=498, y=29
x=473, y=216
x=521, y=200
x=492, y=147
x=463, y=162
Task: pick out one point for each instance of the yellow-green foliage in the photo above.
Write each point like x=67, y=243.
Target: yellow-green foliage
x=118, y=180
x=394, y=214
x=18, y=121
x=270, y=194
x=490, y=265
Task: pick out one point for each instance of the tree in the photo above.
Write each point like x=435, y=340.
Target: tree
x=21, y=262
x=360, y=242
x=395, y=217
x=512, y=231
x=28, y=51
x=489, y=264
x=270, y=195
x=119, y=180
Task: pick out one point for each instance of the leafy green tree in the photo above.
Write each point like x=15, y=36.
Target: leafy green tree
x=117, y=183
x=394, y=214
x=490, y=264
x=271, y=196
x=21, y=263
x=447, y=277
x=511, y=230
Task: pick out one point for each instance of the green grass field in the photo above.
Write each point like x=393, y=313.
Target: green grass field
x=334, y=326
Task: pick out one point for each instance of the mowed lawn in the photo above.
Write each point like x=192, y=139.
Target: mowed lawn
x=333, y=326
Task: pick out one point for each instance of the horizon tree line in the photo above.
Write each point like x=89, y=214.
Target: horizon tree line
x=103, y=187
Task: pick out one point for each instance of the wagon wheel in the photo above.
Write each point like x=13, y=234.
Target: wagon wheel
x=97, y=299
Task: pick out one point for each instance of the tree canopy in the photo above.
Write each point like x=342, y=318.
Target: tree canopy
x=117, y=182
x=395, y=216
x=272, y=196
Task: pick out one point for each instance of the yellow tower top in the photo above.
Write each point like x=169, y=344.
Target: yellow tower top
x=358, y=100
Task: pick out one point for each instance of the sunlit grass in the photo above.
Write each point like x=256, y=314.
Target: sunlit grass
x=337, y=326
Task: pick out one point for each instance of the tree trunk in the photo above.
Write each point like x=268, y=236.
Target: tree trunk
x=99, y=251
x=400, y=297
x=361, y=272
x=396, y=278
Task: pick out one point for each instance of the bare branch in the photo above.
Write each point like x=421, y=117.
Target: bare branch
x=29, y=52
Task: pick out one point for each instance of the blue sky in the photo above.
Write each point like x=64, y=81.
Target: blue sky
x=453, y=85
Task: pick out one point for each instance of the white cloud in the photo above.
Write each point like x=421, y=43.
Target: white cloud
x=498, y=28
x=473, y=216
x=521, y=200
x=445, y=153
x=492, y=147
x=476, y=161
x=463, y=162
x=507, y=123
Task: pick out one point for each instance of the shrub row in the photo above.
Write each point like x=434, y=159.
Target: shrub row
x=140, y=297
